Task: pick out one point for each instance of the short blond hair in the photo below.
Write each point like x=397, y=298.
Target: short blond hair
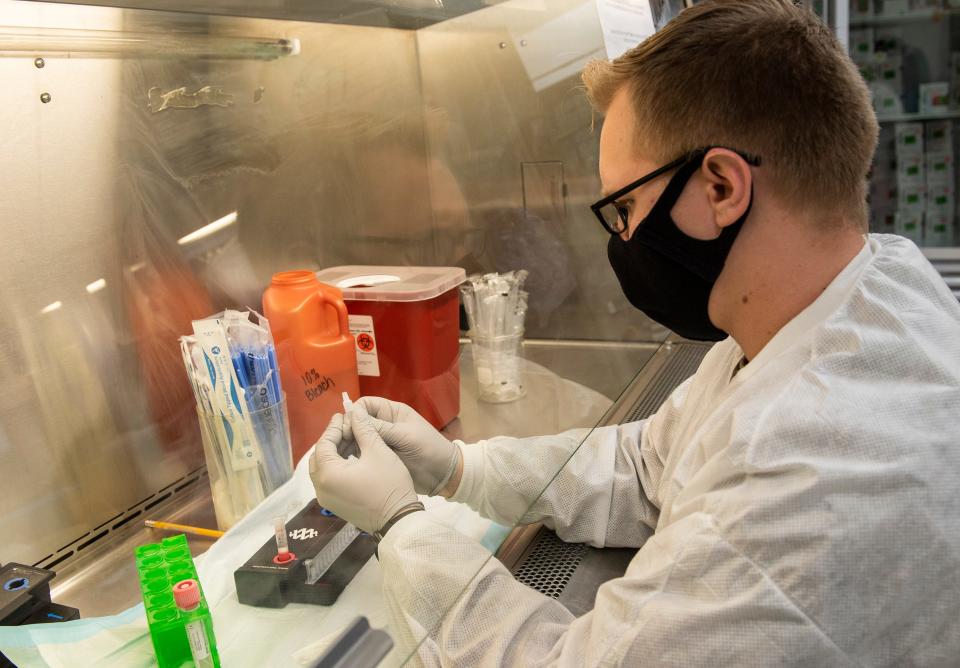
x=763, y=76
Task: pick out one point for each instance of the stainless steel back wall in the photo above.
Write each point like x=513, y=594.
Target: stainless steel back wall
x=100, y=183
x=509, y=131
x=465, y=142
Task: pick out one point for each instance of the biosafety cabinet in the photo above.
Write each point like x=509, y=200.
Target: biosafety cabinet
x=161, y=160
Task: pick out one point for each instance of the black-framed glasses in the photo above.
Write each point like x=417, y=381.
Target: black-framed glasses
x=615, y=216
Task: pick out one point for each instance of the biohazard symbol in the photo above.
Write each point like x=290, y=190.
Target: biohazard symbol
x=365, y=342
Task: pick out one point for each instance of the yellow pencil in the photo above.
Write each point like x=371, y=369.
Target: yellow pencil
x=198, y=531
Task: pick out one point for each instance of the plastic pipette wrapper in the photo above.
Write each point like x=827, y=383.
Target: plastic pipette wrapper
x=496, y=304
x=232, y=367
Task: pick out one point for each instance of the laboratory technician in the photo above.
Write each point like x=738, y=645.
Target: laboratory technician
x=795, y=502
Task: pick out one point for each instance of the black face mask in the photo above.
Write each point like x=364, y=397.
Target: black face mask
x=667, y=274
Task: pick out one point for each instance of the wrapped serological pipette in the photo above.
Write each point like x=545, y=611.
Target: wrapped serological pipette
x=231, y=362
x=496, y=306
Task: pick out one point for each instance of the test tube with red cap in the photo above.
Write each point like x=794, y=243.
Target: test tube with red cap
x=284, y=555
x=186, y=594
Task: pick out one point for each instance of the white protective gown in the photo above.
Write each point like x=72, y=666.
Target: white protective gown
x=804, y=512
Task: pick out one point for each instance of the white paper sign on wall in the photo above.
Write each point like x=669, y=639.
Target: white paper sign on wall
x=625, y=24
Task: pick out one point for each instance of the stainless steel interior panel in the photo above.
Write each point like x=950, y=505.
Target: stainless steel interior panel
x=103, y=580
x=506, y=116
x=141, y=192
x=544, y=189
x=403, y=14
x=78, y=440
x=604, y=366
x=101, y=187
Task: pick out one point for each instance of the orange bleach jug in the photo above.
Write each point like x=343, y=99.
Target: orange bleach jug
x=315, y=352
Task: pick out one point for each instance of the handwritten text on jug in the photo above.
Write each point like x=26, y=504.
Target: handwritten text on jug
x=316, y=384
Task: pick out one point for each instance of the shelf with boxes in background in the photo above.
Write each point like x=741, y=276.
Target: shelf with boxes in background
x=907, y=53
x=901, y=12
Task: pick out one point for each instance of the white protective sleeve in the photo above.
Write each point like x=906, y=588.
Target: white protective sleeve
x=602, y=490
x=692, y=600
x=691, y=596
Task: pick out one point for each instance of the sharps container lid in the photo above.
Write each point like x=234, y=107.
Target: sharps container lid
x=392, y=284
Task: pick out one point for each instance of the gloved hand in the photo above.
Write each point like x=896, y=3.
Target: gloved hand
x=368, y=491
x=428, y=455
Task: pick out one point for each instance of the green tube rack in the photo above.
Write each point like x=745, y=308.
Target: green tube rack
x=161, y=566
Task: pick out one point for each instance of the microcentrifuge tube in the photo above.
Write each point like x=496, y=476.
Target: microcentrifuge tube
x=284, y=555
x=280, y=532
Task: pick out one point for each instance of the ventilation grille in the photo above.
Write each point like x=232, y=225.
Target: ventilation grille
x=550, y=563
x=680, y=365
x=81, y=544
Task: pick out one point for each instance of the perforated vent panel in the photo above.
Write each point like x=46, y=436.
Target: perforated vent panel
x=550, y=563
x=680, y=365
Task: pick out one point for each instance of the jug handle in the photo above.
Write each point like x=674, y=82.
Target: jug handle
x=342, y=315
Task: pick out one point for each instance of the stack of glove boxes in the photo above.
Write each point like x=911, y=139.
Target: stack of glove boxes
x=941, y=184
x=911, y=181
x=913, y=188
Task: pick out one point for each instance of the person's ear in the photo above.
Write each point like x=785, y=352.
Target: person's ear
x=729, y=183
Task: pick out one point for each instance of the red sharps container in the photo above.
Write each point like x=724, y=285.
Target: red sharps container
x=405, y=322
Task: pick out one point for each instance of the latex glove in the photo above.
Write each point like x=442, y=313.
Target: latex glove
x=368, y=491
x=428, y=455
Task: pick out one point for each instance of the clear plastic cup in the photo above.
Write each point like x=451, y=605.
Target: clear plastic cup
x=498, y=362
